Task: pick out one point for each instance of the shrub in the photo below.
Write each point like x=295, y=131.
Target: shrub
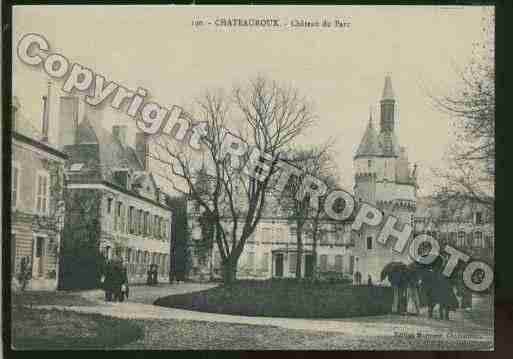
x=286, y=298
x=25, y=273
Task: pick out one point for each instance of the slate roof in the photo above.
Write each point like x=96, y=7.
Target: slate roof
x=24, y=125
x=370, y=145
x=101, y=153
x=27, y=132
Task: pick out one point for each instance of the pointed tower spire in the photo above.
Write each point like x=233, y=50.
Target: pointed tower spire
x=387, y=120
x=388, y=91
x=369, y=146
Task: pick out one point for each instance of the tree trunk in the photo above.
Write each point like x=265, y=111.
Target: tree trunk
x=229, y=271
x=299, y=251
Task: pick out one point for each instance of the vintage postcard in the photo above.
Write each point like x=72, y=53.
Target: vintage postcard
x=252, y=177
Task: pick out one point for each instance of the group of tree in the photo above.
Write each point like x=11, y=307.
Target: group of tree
x=263, y=115
x=470, y=104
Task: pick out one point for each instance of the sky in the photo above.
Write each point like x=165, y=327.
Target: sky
x=341, y=70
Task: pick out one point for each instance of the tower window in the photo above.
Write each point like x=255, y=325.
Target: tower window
x=369, y=163
x=369, y=243
x=478, y=218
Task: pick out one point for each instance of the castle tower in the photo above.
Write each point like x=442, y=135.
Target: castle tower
x=366, y=162
x=382, y=178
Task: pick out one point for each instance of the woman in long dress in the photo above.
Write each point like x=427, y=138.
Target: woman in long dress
x=412, y=295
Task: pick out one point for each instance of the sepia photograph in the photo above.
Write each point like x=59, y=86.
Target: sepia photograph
x=189, y=177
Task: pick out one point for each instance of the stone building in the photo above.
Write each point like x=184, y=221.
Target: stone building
x=128, y=208
x=271, y=251
x=36, y=200
x=385, y=179
x=465, y=225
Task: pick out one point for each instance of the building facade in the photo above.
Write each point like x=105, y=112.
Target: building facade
x=383, y=178
x=465, y=225
x=112, y=177
x=36, y=200
x=271, y=251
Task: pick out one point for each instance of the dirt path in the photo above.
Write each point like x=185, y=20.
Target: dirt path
x=139, y=308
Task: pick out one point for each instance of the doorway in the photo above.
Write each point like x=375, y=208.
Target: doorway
x=309, y=266
x=279, y=265
x=38, y=265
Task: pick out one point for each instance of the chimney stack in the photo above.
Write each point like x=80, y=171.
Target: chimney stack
x=68, y=120
x=46, y=113
x=142, y=149
x=120, y=133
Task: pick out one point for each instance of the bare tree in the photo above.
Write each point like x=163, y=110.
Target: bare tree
x=263, y=115
x=471, y=106
x=314, y=161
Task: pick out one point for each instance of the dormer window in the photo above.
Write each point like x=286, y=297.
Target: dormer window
x=478, y=218
x=122, y=178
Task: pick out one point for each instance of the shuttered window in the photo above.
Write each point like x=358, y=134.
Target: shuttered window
x=338, y=263
x=265, y=262
x=461, y=238
x=292, y=262
x=251, y=259
x=14, y=185
x=324, y=262
x=42, y=184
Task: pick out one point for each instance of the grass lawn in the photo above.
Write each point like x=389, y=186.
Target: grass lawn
x=33, y=298
x=201, y=335
x=54, y=329
x=286, y=298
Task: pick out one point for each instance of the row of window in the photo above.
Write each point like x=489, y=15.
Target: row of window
x=138, y=261
x=461, y=238
x=264, y=262
x=136, y=221
x=42, y=185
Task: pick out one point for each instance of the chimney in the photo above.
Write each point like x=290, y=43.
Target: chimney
x=142, y=149
x=68, y=120
x=120, y=133
x=46, y=114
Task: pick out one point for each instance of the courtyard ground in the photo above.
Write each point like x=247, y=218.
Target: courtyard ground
x=169, y=328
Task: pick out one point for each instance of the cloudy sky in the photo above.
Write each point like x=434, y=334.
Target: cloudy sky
x=341, y=70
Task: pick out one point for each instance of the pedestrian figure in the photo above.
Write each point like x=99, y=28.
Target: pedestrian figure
x=413, y=297
x=120, y=279
x=369, y=281
x=396, y=282
x=152, y=275
x=437, y=289
x=358, y=278
x=107, y=281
